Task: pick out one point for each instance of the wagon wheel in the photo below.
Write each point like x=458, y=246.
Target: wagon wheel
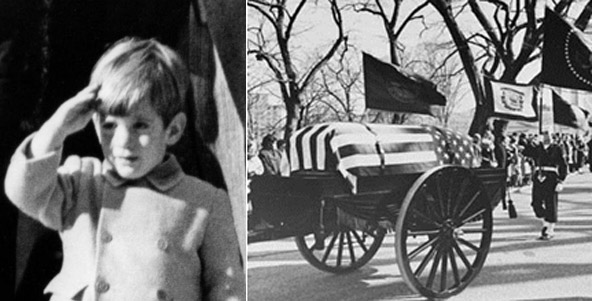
x=344, y=249
x=443, y=231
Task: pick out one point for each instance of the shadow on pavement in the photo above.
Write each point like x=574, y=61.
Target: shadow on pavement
x=317, y=285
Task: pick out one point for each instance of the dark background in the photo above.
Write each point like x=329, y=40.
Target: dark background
x=47, y=51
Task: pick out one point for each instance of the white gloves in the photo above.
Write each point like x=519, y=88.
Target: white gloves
x=559, y=187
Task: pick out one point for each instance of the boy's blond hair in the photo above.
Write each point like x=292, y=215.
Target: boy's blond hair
x=133, y=71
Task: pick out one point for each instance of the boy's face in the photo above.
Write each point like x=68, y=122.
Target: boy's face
x=136, y=143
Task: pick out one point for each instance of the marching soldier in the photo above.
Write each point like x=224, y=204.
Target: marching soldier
x=550, y=172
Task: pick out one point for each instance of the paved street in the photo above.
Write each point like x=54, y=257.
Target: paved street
x=518, y=266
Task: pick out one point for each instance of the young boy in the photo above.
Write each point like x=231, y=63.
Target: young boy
x=134, y=226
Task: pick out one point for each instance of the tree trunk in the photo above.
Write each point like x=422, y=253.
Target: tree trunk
x=292, y=110
x=468, y=61
x=393, y=49
x=584, y=17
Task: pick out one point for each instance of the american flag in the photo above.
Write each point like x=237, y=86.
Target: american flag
x=362, y=150
x=455, y=148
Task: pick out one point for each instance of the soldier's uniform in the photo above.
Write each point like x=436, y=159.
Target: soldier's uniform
x=550, y=170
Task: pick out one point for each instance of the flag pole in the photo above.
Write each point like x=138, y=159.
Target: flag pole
x=540, y=100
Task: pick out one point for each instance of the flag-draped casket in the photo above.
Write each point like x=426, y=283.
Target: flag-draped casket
x=364, y=150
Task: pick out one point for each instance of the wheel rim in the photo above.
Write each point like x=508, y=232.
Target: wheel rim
x=443, y=232
x=344, y=249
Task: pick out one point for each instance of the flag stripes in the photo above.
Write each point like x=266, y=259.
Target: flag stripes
x=359, y=150
x=391, y=160
x=408, y=168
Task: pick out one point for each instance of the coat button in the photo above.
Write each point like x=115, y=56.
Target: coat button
x=161, y=295
x=106, y=237
x=101, y=286
x=163, y=244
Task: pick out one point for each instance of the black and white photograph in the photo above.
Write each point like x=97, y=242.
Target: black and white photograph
x=419, y=150
x=123, y=150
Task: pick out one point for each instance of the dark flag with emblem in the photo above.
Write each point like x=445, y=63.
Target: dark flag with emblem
x=510, y=100
x=391, y=89
x=568, y=114
x=567, y=60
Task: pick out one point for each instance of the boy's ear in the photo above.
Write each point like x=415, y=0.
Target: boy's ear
x=176, y=128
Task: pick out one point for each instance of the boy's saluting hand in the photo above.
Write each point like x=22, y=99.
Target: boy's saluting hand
x=71, y=117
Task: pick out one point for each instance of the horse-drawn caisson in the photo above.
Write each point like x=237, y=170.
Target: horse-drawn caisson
x=350, y=183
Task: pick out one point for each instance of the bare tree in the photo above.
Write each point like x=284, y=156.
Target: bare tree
x=341, y=80
x=393, y=30
x=432, y=61
x=275, y=50
x=389, y=20
x=509, y=40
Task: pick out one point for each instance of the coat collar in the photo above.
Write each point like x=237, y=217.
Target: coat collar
x=163, y=177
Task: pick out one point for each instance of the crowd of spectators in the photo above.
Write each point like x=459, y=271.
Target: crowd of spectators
x=577, y=154
x=271, y=159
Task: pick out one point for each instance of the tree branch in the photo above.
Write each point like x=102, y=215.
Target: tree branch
x=410, y=17
x=293, y=18
x=336, y=13
x=256, y=4
x=493, y=38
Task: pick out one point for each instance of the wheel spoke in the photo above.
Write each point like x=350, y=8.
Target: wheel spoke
x=470, y=203
x=472, y=216
x=468, y=244
x=454, y=267
x=440, y=195
x=425, y=218
x=430, y=201
x=423, y=232
x=449, y=195
x=462, y=256
x=460, y=192
x=329, y=247
x=360, y=241
x=434, y=269
x=425, y=261
x=455, y=194
x=444, y=268
x=351, y=248
x=340, y=249
x=373, y=235
x=422, y=247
